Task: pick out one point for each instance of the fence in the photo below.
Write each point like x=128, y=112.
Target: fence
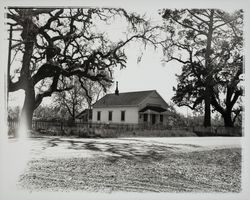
x=109, y=130
x=38, y=124
x=218, y=131
x=87, y=129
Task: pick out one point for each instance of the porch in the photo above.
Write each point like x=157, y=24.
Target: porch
x=153, y=115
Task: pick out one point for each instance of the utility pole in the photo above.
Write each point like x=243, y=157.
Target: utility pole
x=9, y=54
x=187, y=117
x=9, y=60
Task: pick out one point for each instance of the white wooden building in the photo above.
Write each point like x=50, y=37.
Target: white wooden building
x=131, y=108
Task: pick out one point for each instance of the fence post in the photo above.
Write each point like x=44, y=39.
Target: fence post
x=61, y=126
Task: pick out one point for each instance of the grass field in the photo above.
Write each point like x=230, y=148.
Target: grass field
x=133, y=165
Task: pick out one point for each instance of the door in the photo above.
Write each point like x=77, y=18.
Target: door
x=153, y=118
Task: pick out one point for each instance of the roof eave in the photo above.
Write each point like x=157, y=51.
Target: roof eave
x=111, y=106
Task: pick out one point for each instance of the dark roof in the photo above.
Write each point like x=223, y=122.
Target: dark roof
x=154, y=108
x=123, y=99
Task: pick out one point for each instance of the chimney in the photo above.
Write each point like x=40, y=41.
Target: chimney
x=116, y=90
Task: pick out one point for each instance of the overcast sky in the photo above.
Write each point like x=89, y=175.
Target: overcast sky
x=149, y=74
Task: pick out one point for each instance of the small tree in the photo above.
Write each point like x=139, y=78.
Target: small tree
x=78, y=98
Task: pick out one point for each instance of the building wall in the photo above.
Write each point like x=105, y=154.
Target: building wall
x=131, y=115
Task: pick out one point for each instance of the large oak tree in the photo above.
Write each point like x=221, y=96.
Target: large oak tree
x=208, y=42
x=59, y=43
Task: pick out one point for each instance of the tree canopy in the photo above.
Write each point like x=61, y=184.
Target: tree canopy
x=55, y=44
x=208, y=42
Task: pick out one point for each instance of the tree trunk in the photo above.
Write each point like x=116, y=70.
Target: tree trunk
x=73, y=114
x=28, y=35
x=228, y=122
x=207, y=115
x=28, y=107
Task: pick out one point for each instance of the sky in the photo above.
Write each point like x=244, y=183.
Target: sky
x=149, y=74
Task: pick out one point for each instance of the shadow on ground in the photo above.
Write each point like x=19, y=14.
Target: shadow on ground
x=133, y=166
x=133, y=150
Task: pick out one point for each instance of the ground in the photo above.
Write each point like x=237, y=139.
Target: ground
x=133, y=165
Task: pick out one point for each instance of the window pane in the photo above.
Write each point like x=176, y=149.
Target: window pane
x=110, y=115
x=122, y=115
x=98, y=115
x=161, y=118
x=145, y=117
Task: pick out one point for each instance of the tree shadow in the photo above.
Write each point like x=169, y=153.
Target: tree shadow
x=113, y=151
x=54, y=142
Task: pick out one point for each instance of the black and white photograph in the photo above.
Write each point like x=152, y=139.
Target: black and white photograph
x=103, y=100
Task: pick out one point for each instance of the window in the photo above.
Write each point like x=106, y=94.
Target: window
x=123, y=115
x=98, y=115
x=145, y=117
x=110, y=115
x=161, y=118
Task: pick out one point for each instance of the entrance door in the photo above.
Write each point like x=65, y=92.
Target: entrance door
x=153, y=118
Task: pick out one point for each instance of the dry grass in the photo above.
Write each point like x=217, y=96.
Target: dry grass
x=134, y=168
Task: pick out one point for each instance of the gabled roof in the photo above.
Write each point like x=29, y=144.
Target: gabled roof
x=123, y=99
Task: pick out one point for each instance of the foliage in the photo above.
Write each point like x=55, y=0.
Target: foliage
x=209, y=45
x=45, y=112
x=55, y=44
x=13, y=113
